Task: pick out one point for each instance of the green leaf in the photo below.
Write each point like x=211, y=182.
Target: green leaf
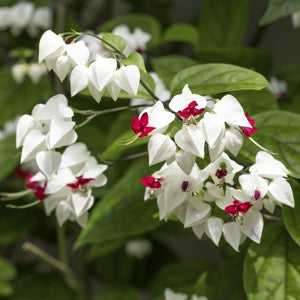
x=180, y=277
x=135, y=58
x=19, y=99
x=256, y=59
x=9, y=156
x=181, y=32
x=278, y=131
x=279, y=8
x=117, y=293
x=255, y=102
x=109, y=221
x=145, y=22
x=223, y=23
x=168, y=66
x=34, y=286
x=272, y=269
x=113, y=42
x=217, y=78
x=291, y=215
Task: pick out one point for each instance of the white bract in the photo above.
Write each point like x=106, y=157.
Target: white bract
x=24, y=15
x=34, y=71
x=171, y=295
x=136, y=40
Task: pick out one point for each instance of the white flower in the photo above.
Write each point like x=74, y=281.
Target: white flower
x=223, y=169
x=296, y=19
x=20, y=16
x=226, y=111
x=177, y=187
x=4, y=17
x=278, y=88
x=267, y=166
x=152, y=120
x=41, y=19
x=9, y=128
x=138, y=248
x=36, y=71
x=19, y=71
x=188, y=104
x=48, y=127
x=50, y=47
x=136, y=41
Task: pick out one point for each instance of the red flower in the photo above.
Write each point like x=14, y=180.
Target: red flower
x=238, y=207
x=151, y=182
x=249, y=130
x=190, y=110
x=139, y=126
x=79, y=183
x=39, y=191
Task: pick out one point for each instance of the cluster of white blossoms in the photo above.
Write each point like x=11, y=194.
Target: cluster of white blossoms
x=135, y=41
x=99, y=75
x=64, y=180
x=171, y=295
x=223, y=197
x=34, y=71
x=23, y=15
x=8, y=128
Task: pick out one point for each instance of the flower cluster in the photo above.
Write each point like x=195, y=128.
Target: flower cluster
x=24, y=15
x=221, y=197
x=135, y=41
x=99, y=75
x=63, y=181
x=34, y=71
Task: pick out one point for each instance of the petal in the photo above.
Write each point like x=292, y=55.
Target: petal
x=113, y=90
x=24, y=124
x=213, y=229
x=185, y=161
x=79, y=202
x=281, y=190
x=79, y=79
x=232, y=234
x=58, y=130
x=78, y=53
x=233, y=141
x=214, y=128
x=94, y=92
x=82, y=220
x=197, y=211
x=33, y=143
x=231, y=111
x=199, y=230
x=50, y=43
x=252, y=225
x=128, y=79
x=48, y=162
x=160, y=148
x=190, y=138
x=62, y=212
x=102, y=72
x=62, y=67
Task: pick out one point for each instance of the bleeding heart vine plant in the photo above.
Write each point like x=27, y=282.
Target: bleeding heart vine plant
x=197, y=135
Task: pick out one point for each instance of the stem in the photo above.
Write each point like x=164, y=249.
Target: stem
x=61, y=244
x=14, y=196
x=94, y=113
x=24, y=206
x=273, y=218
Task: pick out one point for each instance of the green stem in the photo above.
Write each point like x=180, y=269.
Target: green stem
x=61, y=244
x=14, y=196
x=24, y=206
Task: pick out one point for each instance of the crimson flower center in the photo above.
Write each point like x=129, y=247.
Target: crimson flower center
x=139, y=126
x=151, y=182
x=184, y=185
x=238, y=208
x=79, y=182
x=190, y=110
x=221, y=173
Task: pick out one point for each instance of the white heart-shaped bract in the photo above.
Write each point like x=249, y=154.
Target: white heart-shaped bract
x=232, y=234
x=62, y=67
x=128, y=78
x=24, y=124
x=160, y=148
x=62, y=212
x=33, y=143
x=281, y=191
x=78, y=53
x=48, y=162
x=79, y=79
x=214, y=128
x=50, y=45
x=213, y=229
x=252, y=225
x=102, y=71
